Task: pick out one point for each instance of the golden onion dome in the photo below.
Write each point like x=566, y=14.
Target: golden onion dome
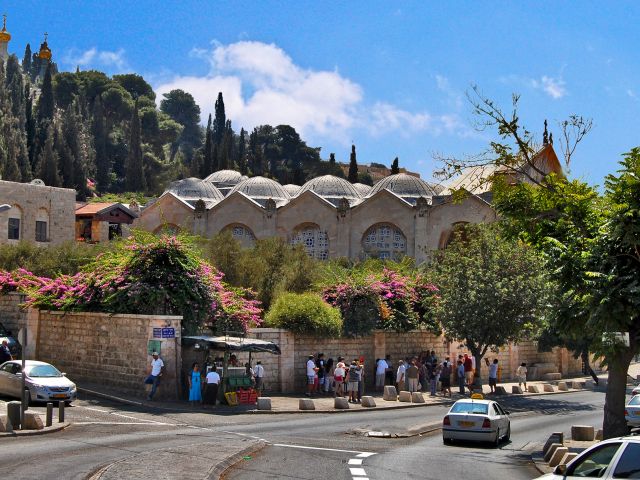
x=4, y=35
x=45, y=51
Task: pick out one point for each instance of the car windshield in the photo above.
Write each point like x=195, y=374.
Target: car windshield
x=43, y=371
x=470, y=407
x=635, y=400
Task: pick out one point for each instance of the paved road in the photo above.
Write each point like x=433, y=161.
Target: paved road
x=300, y=446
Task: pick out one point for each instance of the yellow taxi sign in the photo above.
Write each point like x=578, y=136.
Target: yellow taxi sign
x=477, y=396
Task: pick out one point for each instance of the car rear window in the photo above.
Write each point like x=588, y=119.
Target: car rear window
x=629, y=463
x=635, y=400
x=470, y=407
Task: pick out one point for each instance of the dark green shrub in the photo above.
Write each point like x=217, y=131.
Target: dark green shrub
x=304, y=313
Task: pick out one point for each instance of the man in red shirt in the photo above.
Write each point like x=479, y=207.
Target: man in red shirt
x=468, y=369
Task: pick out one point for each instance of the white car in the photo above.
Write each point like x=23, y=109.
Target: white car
x=632, y=412
x=43, y=382
x=635, y=391
x=613, y=458
x=476, y=420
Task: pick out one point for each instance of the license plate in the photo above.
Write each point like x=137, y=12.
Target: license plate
x=636, y=413
x=59, y=395
x=465, y=423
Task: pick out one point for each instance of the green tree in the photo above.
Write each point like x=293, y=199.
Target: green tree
x=136, y=85
x=492, y=291
x=103, y=163
x=49, y=162
x=353, y=166
x=30, y=126
x=305, y=313
x=135, y=178
x=394, y=166
x=220, y=121
x=242, y=152
x=26, y=60
x=208, y=161
x=66, y=88
x=46, y=102
x=182, y=108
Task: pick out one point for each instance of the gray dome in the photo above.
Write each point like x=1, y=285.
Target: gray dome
x=225, y=177
x=362, y=189
x=194, y=188
x=404, y=185
x=292, y=189
x=261, y=188
x=329, y=186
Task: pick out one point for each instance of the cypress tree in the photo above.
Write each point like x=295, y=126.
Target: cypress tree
x=220, y=121
x=48, y=161
x=242, y=156
x=394, y=166
x=26, y=60
x=135, y=180
x=46, y=102
x=353, y=166
x=332, y=159
x=99, y=131
x=65, y=158
x=30, y=126
x=226, y=151
x=207, y=162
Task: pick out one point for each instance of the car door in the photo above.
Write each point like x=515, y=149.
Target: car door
x=15, y=380
x=10, y=382
x=503, y=417
x=5, y=372
x=628, y=464
x=596, y=463
x=498, y=418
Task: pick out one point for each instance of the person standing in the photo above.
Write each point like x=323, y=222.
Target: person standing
x=195, y=385
x=436, y=378
x=328, y=376
x=389, y=380
x=493, y=375
x=400, y=375
x=468, y=370
x=320, y=364
x=5, y=353
x=412, y=376
x=354, y=377
x=445, y=377
x=360, y=380
x=339, y=375
x=259, y=376
x=157, y=367
x=311, y=375
x=381, y=373
x=521, y=375
x=211, y=388
x=461, y=372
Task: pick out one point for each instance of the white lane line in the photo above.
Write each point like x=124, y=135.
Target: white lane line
x=358, y=472
x=121, y=415
x=319, y=448
x=127, y=423
x=365, y=454
x=360, y=478
x=355, y=461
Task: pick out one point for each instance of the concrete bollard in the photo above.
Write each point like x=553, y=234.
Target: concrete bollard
x=60, y=412
x=417, y=397
x=390, y=393
x=264, y=403
x=3, y=423
x=13, y=414
x=582, y=432
x=368, y=402
x=548, y=387
x=533, y=389
x=32, y=421
x=557, y=456
x=552, y=448
x=49, y=414
x=341, y=403
x=500, y=390
x=563, y=387
x=517, y=390
x=599, y=435
x=555, y=437
x=568, y=457
x=306, y=404
x=405, y=396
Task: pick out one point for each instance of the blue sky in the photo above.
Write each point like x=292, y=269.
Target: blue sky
x=389, y=76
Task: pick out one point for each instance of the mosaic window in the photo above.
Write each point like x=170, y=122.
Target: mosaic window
x=384, y=241
x=242, y=234
x=314, y=240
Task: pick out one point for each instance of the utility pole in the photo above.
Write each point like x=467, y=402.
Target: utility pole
x=23, y=397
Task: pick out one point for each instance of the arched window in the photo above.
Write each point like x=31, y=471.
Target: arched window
x=14, y=223
x=314, y=240
x=42, y=225
x=385, y=241
x=167, y=229
x=242, y=234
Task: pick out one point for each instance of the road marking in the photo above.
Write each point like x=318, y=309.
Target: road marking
x=357, y=472
x=158, y=424
x=365, y=454
x=123, y=416
x=355, y=461
x=319, y=448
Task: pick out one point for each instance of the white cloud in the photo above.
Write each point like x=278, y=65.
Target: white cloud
x=454, y=97
x=96, y=58
x=261, y=84
x=555, y=87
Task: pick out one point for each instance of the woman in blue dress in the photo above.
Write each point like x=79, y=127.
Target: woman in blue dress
x=195, y=385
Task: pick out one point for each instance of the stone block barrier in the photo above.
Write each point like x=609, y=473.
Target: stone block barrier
x=500, y=390
x=32, y=421
x=341, y=403
x=582, y=432
x=552, y=449
x=368, y=402
x=417, y=397
x=599, y=435
x=568, y=457
x=517, y=390
x=390, y=393
x=550, y=377
x=405, y=396
x=533, y=389
x=563, y=387
x=306, y=404
x=555, y=437
x=548, y=387
x=264, y=403
x=557, y=456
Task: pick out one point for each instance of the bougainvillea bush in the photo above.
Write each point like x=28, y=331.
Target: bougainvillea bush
x=145, y=275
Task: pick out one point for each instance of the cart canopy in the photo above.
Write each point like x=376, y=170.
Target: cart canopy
x=233, y=344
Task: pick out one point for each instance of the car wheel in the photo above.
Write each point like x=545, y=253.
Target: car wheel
x=507, y=437
x=447, y=441
x=496, y=442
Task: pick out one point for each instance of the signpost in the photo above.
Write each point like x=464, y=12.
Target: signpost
x=24, y=397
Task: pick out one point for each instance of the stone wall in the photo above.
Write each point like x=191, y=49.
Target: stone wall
x=12, y=316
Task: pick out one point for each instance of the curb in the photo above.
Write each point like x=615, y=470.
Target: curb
x=33, y=433
x=218, y=470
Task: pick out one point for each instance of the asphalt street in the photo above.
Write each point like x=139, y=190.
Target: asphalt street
x=301, y=446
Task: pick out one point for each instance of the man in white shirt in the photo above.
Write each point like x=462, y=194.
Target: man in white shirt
x=157, y=367
x=259, y=375
x=311, y=375
x=400, y=376
x=211, y=389
x=381, y=372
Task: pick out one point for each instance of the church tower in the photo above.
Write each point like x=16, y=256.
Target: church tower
x=5, y=37
x=44, y=55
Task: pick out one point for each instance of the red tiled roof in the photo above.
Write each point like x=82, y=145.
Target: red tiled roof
x=92, y=208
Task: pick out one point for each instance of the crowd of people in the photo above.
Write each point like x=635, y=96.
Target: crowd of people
x=420, y=373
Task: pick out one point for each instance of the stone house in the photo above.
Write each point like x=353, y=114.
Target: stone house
x=101, y=222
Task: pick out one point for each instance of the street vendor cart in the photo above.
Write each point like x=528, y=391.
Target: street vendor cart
x=236, y=385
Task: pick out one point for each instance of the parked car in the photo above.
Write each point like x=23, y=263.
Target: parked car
x=14, y=347
x=632, y=412
x=635, y=391
x=43, y=381
x=476, y=420
x=613, y=458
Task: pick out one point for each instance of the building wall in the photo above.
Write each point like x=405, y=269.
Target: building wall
x=36, y=202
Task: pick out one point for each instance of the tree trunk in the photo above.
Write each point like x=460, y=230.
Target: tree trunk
x=614, y=424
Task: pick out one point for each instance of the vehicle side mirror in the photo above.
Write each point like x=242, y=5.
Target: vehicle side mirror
x=64, y=374
x=560, y=469
x=18, y=374
x=507, y=412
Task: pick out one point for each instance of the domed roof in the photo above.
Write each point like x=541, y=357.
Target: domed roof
x=45, y=51
x=4, y=35
x=328, y=186
x=261, y=188
x=292, y=189
x=362, y=189
x=404, y=185
x=226, y=177
x=194, y=188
